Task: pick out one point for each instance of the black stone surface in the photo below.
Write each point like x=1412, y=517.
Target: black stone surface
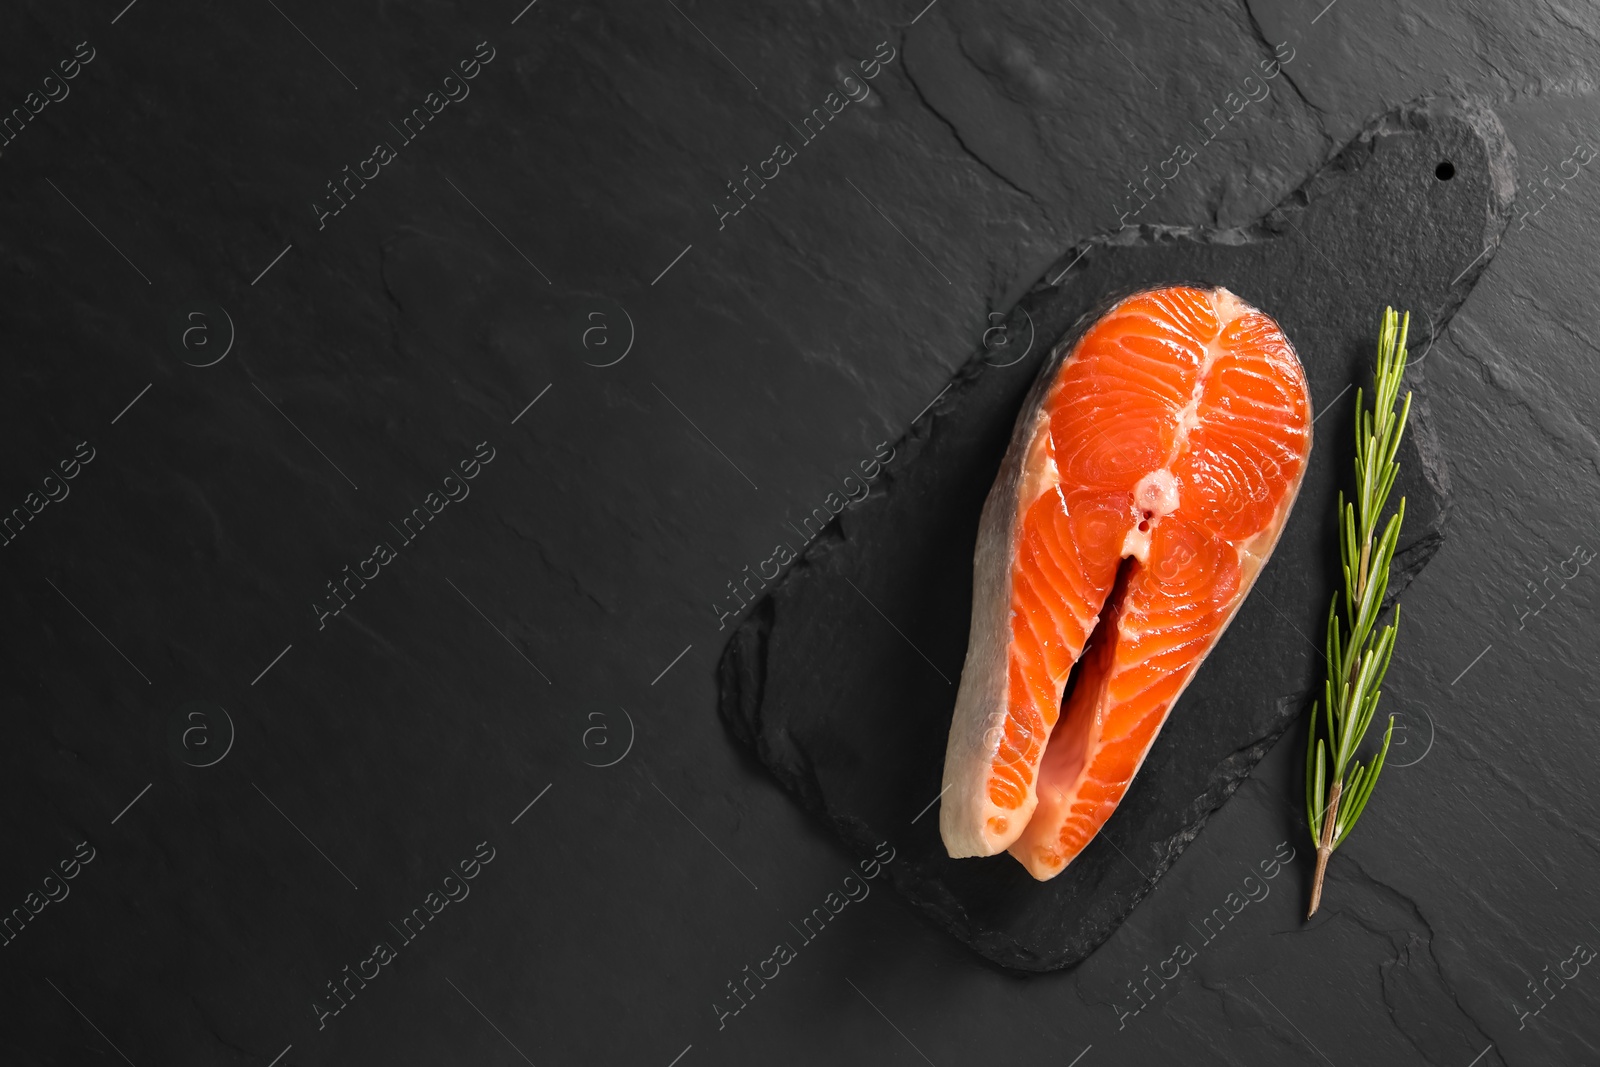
x=843, y=677
x=771, y=353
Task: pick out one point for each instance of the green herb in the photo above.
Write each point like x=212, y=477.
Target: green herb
x=1337, y=784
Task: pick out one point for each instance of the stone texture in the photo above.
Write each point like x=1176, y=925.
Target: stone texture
x=816, y=324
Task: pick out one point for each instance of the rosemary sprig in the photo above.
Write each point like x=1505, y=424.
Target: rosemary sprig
x=1337, y=784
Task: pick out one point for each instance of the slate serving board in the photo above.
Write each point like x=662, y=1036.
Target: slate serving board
x=843, y=676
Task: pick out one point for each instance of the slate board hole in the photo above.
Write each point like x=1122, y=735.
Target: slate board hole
x=1445, y=171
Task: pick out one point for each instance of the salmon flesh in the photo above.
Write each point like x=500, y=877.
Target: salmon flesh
x=1149, y=476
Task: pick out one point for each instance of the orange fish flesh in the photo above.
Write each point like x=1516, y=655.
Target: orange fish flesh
x=1149, y=476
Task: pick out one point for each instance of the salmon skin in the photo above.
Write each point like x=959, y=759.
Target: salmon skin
x=1151, y=471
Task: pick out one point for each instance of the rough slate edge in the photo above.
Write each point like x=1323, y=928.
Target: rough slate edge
x=742, y=668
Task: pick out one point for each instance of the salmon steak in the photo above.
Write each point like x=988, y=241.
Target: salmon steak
x=1151, y=471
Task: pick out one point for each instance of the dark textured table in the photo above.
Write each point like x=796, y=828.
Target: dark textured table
x=399, y=397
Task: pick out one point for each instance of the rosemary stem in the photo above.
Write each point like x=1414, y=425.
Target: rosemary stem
x=1361, y=595
x=1358, y=651
x=1361, y=575
x=1325, y=846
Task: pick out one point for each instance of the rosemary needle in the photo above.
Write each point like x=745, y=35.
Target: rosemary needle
x=1338, y=785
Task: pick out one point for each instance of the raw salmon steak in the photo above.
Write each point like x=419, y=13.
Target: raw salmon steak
x=1151, y=471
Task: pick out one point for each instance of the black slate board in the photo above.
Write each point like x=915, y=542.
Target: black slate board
x=842, y=678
